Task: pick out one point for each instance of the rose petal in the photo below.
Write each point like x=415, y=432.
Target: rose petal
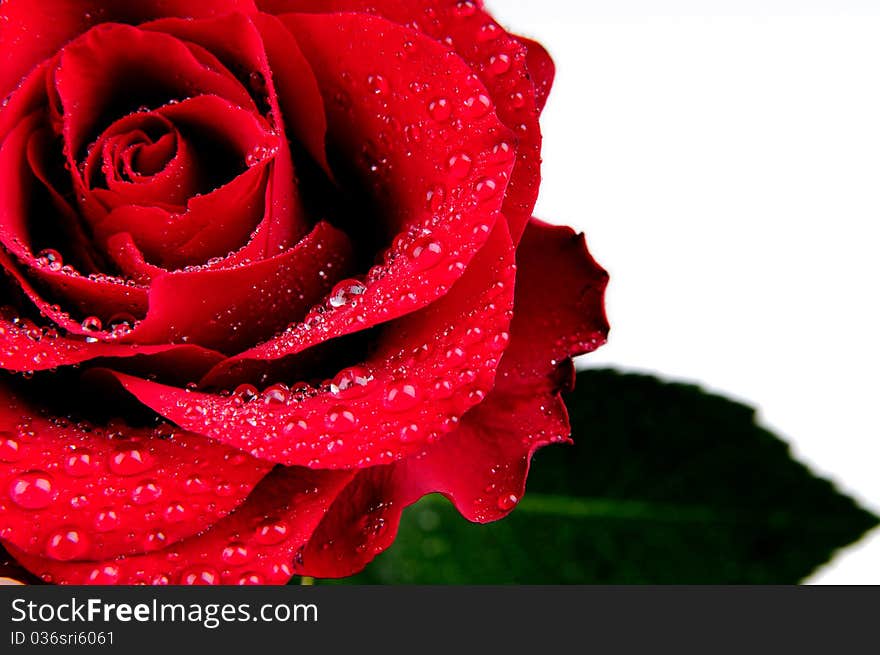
x=541, y=68
x=122, y=490
x=559, y=311
x=258, y=299
x=424, y=372
x=482, y=466
x=210, y=225
x=40, y=29
x=499, y=59
x=93, y=70
x=273, y=65
x=256, y=544
x=237, y=42
x=27, y=347
x=443, y=228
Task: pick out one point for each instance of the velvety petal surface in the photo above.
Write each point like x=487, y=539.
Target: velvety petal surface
x=74, y=491
x=499, y=59
x=257, y=544
x=425, y=371
x=482, y=466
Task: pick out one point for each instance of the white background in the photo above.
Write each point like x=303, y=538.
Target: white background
x=724, y=160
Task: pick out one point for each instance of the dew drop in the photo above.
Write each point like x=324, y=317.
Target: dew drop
x=499, y=64
x=434, y=199
x=106, y=520
x=107, y=574
x=440, y=109
x=426, y=252
x=346, y=292
x=340, y=419
x=507, y=501
x=485, y=189
x=378, y=84
x=155, y=540
x=271, y=532
x=175, y=513
x=275, y=396
x=10, y=448
x=67, y=544
x=200, y=576
x=295, y=428
x=245, y=393
x=81, y=463
x=465, y=8
x=350, y=379
x=32, y=490
x=459, y=165
x=130, y=460
x=477, y=105
x=51, y=259
x=401, y=397
x=146, y=493
x=236, y=554
x=250, y=579
x=92, y=324
x=195, y=485
x=121, y=324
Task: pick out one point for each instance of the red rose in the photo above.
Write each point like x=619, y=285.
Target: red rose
x=271, y=277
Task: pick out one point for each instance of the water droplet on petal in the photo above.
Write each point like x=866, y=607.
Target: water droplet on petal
x=400, y=397
x=459, y=165
x=32, y=490
x=81, y=463
x=51, y=259
x=351, y=379
x=106, y=520
x=485, y=189
x=236, y=554
x=246, y=393
x=426, y=252
x=175, y=513
x=340, y=419
x=378, y=84
x=477, y=105
x=130, y=460
x=10, y=448
x=499, y=64
x=346, y=292
x=108, y=574
x=146, y=493
x=439, y=109
x=465, y=8
x=67, y=544
x=271, y=532
x=275, y=396
x=200, y=576
x=507, y=501
x=92, y=324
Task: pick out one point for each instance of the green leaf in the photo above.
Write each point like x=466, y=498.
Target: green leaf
x=666, y=485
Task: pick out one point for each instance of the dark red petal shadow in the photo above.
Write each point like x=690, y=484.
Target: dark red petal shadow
x=443, y=192
x=19, y=167
x=113, y=69
x=499, y=59
x=40, y=29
